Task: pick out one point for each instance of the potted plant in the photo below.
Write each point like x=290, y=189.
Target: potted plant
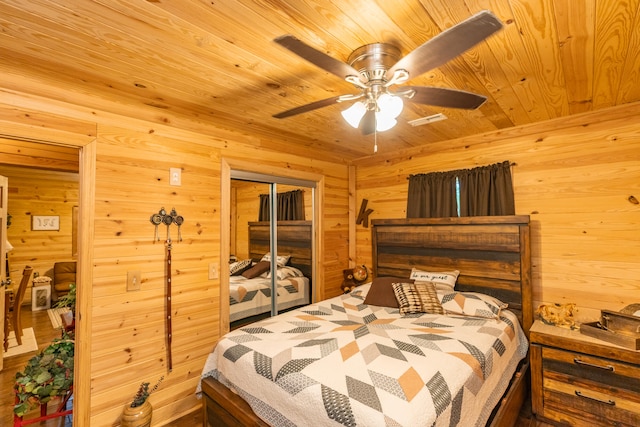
x=69, y=299
x=47, y=375
x=138, y=412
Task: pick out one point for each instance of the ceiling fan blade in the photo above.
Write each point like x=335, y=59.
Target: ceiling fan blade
x=368, y=123
x=320, y=59
x=444, y=97
x=448, y=44
x=308, y=107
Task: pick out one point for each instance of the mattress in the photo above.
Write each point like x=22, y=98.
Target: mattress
x=342, y=362
x=249, y=297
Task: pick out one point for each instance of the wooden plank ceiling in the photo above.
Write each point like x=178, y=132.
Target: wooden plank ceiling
x=199, y=62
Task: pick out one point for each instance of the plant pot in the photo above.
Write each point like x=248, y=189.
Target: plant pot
x=140, y=416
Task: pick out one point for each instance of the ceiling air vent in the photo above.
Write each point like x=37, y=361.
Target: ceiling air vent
x=429, y=119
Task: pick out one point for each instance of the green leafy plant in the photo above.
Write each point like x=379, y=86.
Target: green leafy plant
x=68, y=300
x=47, y=375
x=144, y=392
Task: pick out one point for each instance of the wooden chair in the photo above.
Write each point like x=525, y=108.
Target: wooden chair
x=13, y=313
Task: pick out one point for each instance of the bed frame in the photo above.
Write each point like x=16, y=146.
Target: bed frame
x=494, y=257
x=294, y=238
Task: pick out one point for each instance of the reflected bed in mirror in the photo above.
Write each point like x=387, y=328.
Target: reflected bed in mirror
x=250, y=287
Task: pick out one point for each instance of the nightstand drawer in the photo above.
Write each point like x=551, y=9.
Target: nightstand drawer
x=594, y=389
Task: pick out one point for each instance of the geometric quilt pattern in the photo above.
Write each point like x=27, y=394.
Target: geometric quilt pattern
x=343, y=362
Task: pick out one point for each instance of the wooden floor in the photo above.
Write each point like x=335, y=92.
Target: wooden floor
x=44, y=333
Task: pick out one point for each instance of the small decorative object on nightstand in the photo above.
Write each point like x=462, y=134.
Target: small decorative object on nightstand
x=579, y=380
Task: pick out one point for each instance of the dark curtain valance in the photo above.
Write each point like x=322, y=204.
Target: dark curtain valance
x=481, y=191
x=290, y=206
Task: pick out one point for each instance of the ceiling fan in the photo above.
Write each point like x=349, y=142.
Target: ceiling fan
x=376, y=67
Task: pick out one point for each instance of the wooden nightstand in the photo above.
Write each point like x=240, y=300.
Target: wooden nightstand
x=582, y=381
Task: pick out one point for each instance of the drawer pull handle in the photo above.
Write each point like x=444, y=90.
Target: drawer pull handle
x=606, y=402
x=593, y=365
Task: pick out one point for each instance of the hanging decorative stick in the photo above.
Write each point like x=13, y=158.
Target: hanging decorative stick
x=169, y=360
x=172, y=218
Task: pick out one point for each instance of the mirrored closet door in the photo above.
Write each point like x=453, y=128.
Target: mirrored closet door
x=271, y=262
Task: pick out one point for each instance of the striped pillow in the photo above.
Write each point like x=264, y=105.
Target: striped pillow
x=236, y=268
x=417, y=298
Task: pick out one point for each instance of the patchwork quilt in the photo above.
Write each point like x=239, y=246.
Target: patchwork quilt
x=342, y=362
x=248, y=297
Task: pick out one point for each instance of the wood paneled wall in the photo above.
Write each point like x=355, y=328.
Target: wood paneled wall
x=578, y=179
x=123, y=332
x=39, y=192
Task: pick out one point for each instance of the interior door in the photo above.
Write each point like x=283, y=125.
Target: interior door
x=4, y=186
x=245, y=206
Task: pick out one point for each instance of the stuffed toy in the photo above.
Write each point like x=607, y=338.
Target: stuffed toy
x=353, y=277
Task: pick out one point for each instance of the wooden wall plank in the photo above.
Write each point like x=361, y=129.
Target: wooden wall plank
x=575, y=21
x=535, y=18
x=614, y=24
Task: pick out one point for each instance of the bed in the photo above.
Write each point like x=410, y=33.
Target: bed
x=352, y=363
x=250, y=294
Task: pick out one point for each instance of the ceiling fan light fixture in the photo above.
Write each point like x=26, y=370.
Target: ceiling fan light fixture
x=389, y=105
x=384, y=122
x=375, y=67
x=354, y=114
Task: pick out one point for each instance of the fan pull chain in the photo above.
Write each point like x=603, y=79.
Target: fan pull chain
x=375, y=141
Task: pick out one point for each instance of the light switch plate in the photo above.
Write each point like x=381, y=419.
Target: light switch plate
x=133, y=280
x=175, y=176
x=213, y=271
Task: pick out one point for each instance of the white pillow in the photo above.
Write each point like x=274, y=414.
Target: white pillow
x=286, y=272
x=281, y=261
x=444, y=280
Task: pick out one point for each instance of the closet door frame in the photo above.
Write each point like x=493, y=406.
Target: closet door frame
x=241, y=169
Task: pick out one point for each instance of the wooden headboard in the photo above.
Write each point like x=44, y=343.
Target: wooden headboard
x=294, y=238
x=492, y=254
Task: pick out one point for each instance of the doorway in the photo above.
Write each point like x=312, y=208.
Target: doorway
x=83, y=149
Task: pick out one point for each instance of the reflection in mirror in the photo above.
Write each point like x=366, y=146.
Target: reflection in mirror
x=250, y=283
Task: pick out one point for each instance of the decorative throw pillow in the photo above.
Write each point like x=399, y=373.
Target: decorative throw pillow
x=417, y=298
x=381, y=292
x=472, y=304
x=444, y=280
x=257, y=269
x=281, y=260
x=238, y=267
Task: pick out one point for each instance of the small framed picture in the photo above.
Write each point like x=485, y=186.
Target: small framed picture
x=45, y=222
x=40, y=297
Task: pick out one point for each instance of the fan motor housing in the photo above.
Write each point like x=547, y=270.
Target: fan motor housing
x=373, y=60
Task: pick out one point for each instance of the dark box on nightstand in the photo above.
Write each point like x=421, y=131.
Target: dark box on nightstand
x=617, y=328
